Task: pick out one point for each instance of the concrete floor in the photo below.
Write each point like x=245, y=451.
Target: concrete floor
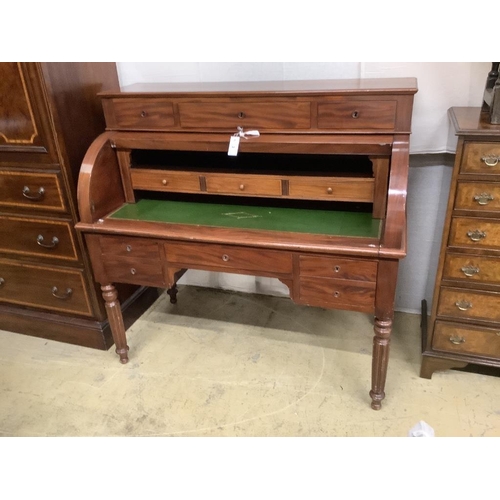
x=229, y=364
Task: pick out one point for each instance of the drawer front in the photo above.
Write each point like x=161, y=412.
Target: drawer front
x=44, y=287
x=475, y=233
x=348, y=114
x=166, y=180
x=134, y=271
x=481, y=158
x=339, y=268
x=337, y=294
x=480, y=196
x=472, y=268
x=139, y=114
x=38, y=191
x=328, y=188
x=259, y=115
x=229, y=258
x=466, y=340
x=462, y=303
x=120, y=246
x=37, y=238
x=244, y=185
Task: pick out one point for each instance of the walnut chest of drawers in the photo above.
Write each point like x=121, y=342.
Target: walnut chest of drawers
x=465, y=321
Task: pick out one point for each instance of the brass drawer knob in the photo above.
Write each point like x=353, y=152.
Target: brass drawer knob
x=463, y=305
x=2, y=281
x=476, y=235
x=455, y=339
x=490, y=160
x=483, y=198
x=329, y=190
x=63, y=296
x=225, y=257
x=242, y=187
x=40, y=241
x=36, y=197
x=470, y=270
x=164, y=182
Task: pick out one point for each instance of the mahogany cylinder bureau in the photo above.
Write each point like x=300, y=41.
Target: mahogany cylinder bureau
x=300, y=181
x=49, y=115
x=465, y=321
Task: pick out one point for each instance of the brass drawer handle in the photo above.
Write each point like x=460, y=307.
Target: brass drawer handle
x=355, y=114
x=463, y=305
x=37, y=197
x=483, y=198
x=490, y=160
x=64, y=296
x=470, y=270
x=476, y=235
x=457, y=340
x=225, y=257
x=53, y=244
x=2, y=281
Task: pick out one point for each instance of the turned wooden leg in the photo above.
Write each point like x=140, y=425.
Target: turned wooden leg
x=380, y=360
x=430, y=365
x=173, y=294
x=115, y=318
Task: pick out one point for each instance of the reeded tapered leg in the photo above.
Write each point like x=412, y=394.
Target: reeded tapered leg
x=115, y=318
x=380, y=360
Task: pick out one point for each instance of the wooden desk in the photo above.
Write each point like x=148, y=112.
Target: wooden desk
x=317, y=200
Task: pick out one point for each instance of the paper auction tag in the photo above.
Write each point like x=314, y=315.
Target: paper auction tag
x=234, y=143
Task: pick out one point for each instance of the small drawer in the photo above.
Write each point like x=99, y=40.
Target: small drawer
x=480, y=196
x=329, y=188
x=481, y=158
x=349, y=114
x=244, y=185
x=139, y=113
x=338, y=268
x=37, y=238
x=118, y=246
x=44, y=287
x=472, y=268
x=165, y=180
x=463, y=339
x=134, y=271
x=37, y=191
x=462, y=303
x=475, y=232
x=249, y=115
x=337, y=294
x=229, y=258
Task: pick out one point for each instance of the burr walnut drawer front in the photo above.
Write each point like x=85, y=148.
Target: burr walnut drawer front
x=472, y=268
x=337, y=294
x=246, y=114
x=480, y=196
x=123, y=246
x=256, y=185
x=166, y=180
x=346, y=113
x=328, y=188
x=338, y=268
x=465, y=339
x=38, y=191
x=475, y=233
x=139, y=113
x=469, y=304
x=481, y=158
x=44, y=287
x=229, y=258
x=37, y=238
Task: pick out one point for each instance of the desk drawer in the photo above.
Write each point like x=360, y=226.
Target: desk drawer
x=256, y=185
x=229, y=258
x=249, y=115
x=475, y=232
x=134, y=271
x=166, y=180
x=481, y=158
x=37, y=238
x=38, y=191
x=337, y=294
x=328, y=188
x=338, y=268
x=463, y=339
x=345, y=113
x=124, y=246
x=480, y=196
x=43, y=287
x=462, y=303
x=472, y=268
x=139, y=113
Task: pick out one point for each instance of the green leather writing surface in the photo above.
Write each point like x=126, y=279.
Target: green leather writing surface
x=295, y=220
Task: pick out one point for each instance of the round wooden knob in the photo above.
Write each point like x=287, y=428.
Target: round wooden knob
x=164, y=182
x=329, y=190
x=242, y=187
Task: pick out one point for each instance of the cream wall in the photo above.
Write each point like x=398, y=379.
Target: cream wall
x=441, y=85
